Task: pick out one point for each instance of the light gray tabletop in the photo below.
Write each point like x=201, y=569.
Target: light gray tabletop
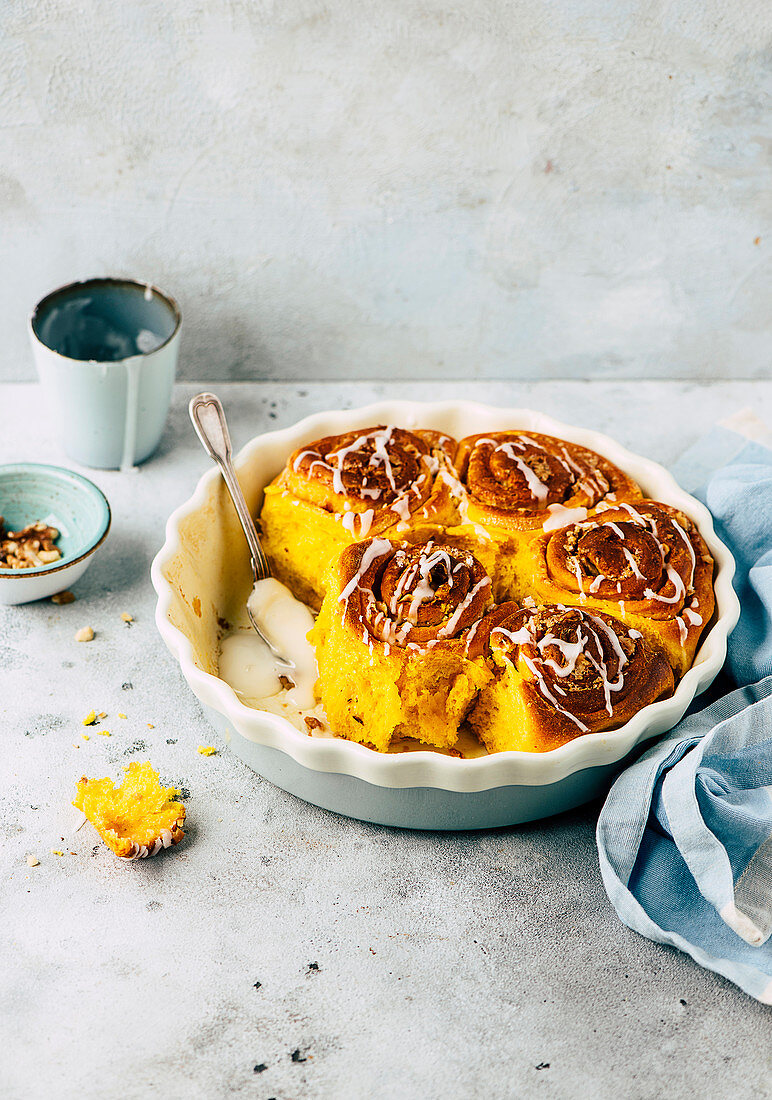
x=281, y=951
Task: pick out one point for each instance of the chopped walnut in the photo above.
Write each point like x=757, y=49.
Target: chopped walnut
x=29, y=548
x=63, y=597
x=286, y=683
x=313, y=723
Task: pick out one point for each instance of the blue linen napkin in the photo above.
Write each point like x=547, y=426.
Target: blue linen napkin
x=685, y=835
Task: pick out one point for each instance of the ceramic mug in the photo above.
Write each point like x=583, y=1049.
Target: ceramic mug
x=106, y=355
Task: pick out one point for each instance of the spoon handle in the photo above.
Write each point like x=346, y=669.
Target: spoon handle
x=208, y=418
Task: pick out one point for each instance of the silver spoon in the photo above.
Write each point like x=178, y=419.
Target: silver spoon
x=208, y=418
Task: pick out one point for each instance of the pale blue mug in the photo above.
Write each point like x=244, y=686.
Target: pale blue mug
x=106, y=355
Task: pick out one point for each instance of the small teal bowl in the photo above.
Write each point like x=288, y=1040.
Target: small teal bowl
x=30, y=492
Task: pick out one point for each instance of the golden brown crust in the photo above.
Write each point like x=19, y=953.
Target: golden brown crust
x=411, y=595
x=577, y=671
x=513, y=478
x=374, y=478
x=648, y=559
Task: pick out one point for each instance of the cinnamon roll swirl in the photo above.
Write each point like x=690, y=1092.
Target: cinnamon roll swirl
x=515, y=482
x=390, y=641
x=645, y=562
x=345, y=488
x=560, y=672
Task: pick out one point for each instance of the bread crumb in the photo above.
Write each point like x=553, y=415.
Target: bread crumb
x=121, y=715
x=90, y=718
x=150, y=726
x=104, y=733
x=102, y=714
x=85, y=634
x=127, y=618
x=207, y=750
x=63, y=597
x=56, y=852
x=33, y=861
x=85, y=737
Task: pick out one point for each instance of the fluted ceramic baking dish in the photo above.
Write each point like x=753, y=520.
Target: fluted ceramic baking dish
x=202, y=577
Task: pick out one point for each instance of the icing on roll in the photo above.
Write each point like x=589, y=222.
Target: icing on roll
x=350, y=487
x=517, y=479
x=391, y=641
x=646, y=558
x=413, y=595
x=371, y=472
x=560, y=672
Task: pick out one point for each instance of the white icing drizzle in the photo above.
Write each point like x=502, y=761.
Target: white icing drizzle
x=536, y=486
x=376, y=549
x=452, y=622
x=542, y=685
x=424, y=591
x=401, y=507
x=570, y=652
x=560, y=516
x=632, y=563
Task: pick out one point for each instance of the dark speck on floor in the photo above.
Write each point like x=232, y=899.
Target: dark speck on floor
x=543, y=1065
x=260, y=1067
x=136, y=746
x=297, y=1057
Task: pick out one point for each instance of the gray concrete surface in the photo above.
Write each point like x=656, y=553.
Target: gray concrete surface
x=346, y=960
x=497, y=187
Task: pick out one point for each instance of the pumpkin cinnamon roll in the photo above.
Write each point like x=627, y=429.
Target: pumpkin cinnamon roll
x=346, y=488
x=391, y=641
x=516, y=482
x=558, y=673
x=645, y=562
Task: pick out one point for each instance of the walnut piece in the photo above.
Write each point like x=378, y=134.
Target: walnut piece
x=29, y=548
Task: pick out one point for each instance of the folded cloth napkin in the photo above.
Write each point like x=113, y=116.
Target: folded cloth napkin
x=685, y=836
x=734, y=478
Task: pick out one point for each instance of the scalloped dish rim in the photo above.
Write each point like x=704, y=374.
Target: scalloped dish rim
x=424, y=768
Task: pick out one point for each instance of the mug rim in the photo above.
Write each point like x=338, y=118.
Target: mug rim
x=106, y=280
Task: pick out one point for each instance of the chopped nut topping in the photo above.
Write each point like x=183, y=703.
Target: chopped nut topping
x=85, y=634
x=313, y=723
x=286, y=683
x=29, y=548
x=63, y=597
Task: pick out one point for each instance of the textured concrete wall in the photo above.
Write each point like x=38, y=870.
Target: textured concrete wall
x=500, y=188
